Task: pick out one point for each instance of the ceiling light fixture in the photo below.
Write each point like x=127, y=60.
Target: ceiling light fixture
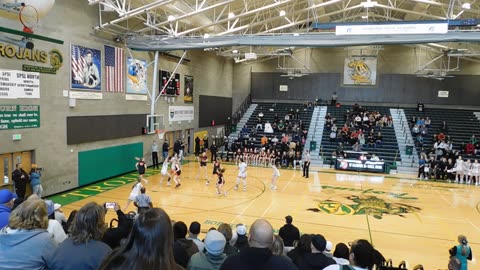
x=365, y=17
x=235, y=51
x=206, y=35
x=466, y=6
x=231, y=15
x=282, y=13
x=170, y=18
x=369, y=4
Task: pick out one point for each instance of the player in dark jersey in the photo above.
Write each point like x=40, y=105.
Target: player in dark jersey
x=221, y=182
x=203, y=165
x=216, y=167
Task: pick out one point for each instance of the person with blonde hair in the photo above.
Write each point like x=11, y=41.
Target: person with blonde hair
x=277, y=246
x=149, y=246
x=462, y=251
x=84, y=241
x=25, y=242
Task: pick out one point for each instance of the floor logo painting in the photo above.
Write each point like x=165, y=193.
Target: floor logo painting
x=365, y=204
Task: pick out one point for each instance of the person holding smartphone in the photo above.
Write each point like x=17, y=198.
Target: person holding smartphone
x=35, y=181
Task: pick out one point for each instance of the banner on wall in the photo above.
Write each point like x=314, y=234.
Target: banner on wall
x=136, y=76
x=19, y=116
x=360, y=70
x=85, y=68
x=19, y=84
x=180, y=113
x=188, y=89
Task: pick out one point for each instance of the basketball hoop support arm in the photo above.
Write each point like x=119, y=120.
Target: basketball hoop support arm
x=153, y=93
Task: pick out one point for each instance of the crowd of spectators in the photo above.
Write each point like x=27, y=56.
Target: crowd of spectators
x=441, y=161
x=151, y=240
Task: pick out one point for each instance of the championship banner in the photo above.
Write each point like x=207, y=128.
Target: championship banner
x=19, y=84
x=19, y=116
x=361, y=166
x=180, y=113
x=188, y=89
x=360, y=70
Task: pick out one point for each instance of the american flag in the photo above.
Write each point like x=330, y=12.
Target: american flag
x=114, y=69
x=78, y=64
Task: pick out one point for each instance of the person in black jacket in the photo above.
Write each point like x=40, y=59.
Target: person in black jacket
x=20, y=178
x=213, y=152
x=289, y=232
x=258, y=255
x=114, y=236
x=183, y=248
x=316, y=259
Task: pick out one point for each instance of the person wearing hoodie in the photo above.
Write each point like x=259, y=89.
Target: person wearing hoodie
x=193, y=232
x=316, y=259
x=258, y=255
x=35, y=181
x=7, y=199
x=183, y=248
x=213, y=257
x=25, y=242
x=341, y=253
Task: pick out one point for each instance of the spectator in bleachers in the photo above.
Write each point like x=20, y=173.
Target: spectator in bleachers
x=114, y=235
x=289, y=232
x=258, y=255
x=226, y=230
x=84, y=241
x=333, y=136
x=149, y=245
x=193, y=232
x=276, y=119
x=54, y=227
x=183, y=248
x=316, y=259
x=7, y=199
x=462, y=251
x=278, y=246
x=421, y=167
x=374, y=158
x=428, y=122
x=371, y=141
x=341, y=254
x=362, y=157
x=416, y=130
x=214, y=257
x=356, y=147
x=378, y=139
x=333, y=99
x=242, y=240
x=362, y=256
x=389, y=121
x=268, y=128
x=25, y=242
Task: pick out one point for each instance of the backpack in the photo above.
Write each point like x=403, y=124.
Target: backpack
x=454, y=263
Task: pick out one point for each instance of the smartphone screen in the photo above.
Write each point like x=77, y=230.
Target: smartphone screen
x=110, y=205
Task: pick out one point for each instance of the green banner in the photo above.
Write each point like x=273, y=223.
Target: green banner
x=47, y=70
x=19, y=116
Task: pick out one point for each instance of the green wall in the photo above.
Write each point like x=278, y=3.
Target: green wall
x=103, y=163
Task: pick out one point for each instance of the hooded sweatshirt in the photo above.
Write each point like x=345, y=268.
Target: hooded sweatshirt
x=206, y=261
x=183, y=249
x=26, y=249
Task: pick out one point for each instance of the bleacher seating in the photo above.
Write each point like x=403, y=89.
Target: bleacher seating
x=281, y=109
x=388, y=151
x=462, y=124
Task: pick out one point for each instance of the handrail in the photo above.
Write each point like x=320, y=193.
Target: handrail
x=237, y=116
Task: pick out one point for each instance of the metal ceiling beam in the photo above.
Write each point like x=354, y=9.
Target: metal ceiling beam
x=248, y=13
x=279, y=17
x=410, y=12
x=134, y=12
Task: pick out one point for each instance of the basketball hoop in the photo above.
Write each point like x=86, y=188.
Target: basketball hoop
x=28, y=16
x=160, y=133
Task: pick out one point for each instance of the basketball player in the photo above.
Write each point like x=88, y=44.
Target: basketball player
x=133, y=194
x=216, y=167
x=276, y=174
x=164, y=171
x=475, y=171
x=242, y=175
x=176, y=170
x=459, y=170
x=141, y=168
x=221, y=182
x=203, y=165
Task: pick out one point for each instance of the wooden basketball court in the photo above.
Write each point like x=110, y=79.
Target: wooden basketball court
x=404, y=218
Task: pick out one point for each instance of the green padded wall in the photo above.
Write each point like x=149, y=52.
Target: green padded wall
x=103, y=163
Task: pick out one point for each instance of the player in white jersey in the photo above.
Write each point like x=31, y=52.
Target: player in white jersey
x=476, y=171
x=467, y=166
x=459, y=170
x=164, y=171
x=276, y=174
x=133, y=194
x=242, y=174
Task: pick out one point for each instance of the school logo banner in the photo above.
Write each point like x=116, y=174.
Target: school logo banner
x=360, y=70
